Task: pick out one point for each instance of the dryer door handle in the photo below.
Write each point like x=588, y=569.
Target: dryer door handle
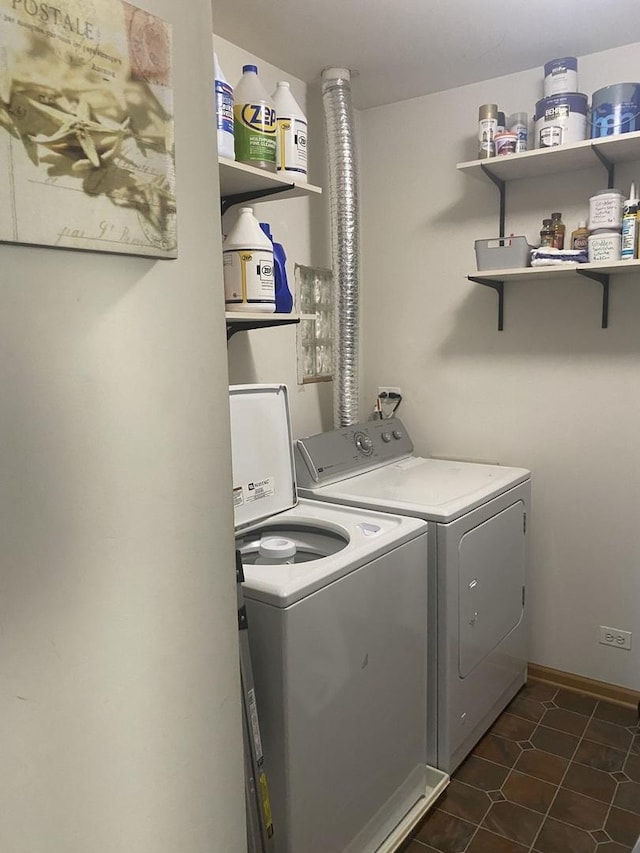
x=472, y=588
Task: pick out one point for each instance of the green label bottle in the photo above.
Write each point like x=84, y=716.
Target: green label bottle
x=254, y=122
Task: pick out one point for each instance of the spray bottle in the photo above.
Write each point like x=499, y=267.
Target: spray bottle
x=630, y=226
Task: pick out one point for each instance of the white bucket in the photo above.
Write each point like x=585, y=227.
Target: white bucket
x=604, y=246
x=605, y=209
x=561, y=120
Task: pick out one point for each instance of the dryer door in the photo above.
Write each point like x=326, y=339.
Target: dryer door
x=491, y=584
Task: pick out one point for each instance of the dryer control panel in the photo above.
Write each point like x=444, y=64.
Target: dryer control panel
x=341, y=453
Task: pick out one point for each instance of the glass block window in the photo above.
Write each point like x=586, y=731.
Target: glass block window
x=314, y=336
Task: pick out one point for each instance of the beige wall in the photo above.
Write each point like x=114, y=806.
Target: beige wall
x=269, y=355
x=119, y=708
x=553, y=391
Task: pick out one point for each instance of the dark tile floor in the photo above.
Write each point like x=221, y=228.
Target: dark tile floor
x=558, y=772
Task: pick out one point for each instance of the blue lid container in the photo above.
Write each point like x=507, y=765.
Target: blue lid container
x=560, y=76
x=615, y=109
x=567, y=63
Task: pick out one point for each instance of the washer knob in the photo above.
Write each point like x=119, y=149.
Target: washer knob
x=363, y=443
x=386, y=437
x=397, y=434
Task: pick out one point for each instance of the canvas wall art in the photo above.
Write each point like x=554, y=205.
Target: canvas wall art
x=86, y=127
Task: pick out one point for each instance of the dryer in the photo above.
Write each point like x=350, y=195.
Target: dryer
x=478, y=516
x=335, y=599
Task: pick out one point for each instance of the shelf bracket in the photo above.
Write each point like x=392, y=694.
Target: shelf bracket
x=501, y=189
x=267, y=323
x=603, y=279
x=228, y=201
x=609, y=166
x=498, y=286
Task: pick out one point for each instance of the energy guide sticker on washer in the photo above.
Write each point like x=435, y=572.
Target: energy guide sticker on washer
x=258, y=489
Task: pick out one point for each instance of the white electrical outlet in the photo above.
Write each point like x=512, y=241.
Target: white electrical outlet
x=388, y=389
x=615, y=637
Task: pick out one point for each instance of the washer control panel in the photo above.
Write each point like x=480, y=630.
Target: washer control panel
x=340, y=453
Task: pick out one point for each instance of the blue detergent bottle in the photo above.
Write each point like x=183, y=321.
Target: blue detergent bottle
x=284, y=299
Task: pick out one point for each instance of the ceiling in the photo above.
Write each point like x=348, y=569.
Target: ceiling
x=405, y=48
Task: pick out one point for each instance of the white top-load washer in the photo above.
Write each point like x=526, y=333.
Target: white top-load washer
x=335, y=604
x=477, y=559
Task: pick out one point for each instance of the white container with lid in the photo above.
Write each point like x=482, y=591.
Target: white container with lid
x=605, y=209
x=604, y=245
x=247, y=259
x=560, y=76
x=291, y=136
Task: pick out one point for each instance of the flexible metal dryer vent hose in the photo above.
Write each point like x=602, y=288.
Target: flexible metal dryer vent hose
x=345, y=241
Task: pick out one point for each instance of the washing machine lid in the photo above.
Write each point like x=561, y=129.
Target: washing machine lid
x=435, y=489
x=261, y=453
x=369, y=535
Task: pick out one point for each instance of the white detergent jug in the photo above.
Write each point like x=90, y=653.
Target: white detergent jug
x=291, y=135
x=247, y=257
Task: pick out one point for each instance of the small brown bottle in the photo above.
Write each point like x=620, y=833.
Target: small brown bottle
x=580, y=237
x=546, y=234
x=558, y=228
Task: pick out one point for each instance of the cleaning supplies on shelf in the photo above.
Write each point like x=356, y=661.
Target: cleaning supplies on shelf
x=284, y=299
x=247, y=258
x=224, y=111
x=580, y=236
x=254, y=122
x=291, y=135
x=629, y=243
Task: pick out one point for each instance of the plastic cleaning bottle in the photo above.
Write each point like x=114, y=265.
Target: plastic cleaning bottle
x=629, y=249
x=224, y=111
x=247, y=258
x=291, y=136
x=558, y=227
x=580, y=237
x=284, y=299
x=254, y=122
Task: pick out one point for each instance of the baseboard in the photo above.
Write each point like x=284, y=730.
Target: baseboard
x=580, y=684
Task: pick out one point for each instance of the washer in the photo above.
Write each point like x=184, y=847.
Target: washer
x=335, y=601
x=477, y=559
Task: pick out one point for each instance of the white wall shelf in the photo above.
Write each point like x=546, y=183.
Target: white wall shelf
x=599, y=272
x=566, y=270
x=241, y=183
x=243, y=321
x=610, y=150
